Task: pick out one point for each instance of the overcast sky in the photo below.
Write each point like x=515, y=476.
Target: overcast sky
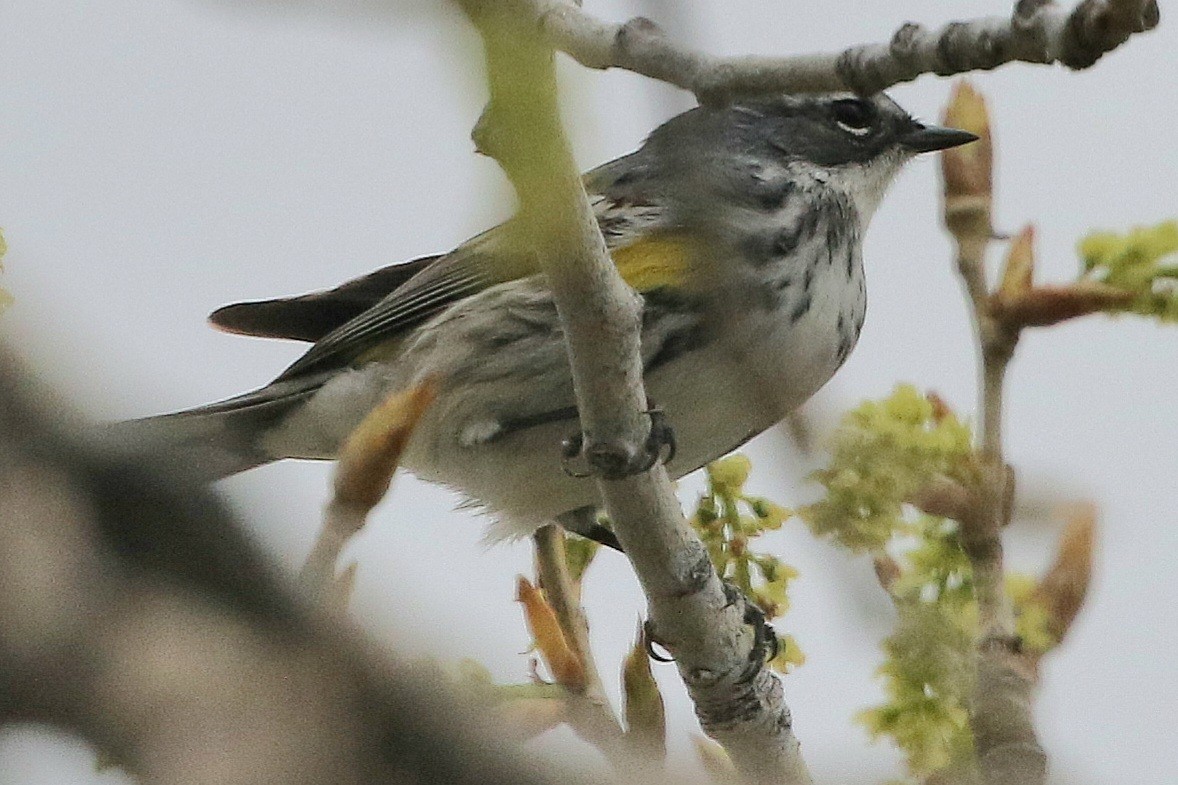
x=160, y=158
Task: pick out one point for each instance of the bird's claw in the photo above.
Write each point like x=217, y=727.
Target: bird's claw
x=571, y=448
x=660, y=442
x=648, y=642
x=766, y=645
x=616, y=461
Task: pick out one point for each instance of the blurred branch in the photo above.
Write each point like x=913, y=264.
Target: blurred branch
x=738, y=700
x=1038, y=31
x=1008, y=751
x=1065, y=586
x=364, y=471
x=135, y=613
x=588, y=711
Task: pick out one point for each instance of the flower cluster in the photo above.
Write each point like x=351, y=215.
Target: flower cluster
x=928, y=670
x=883, y=453
x=1144, y=261
x=727, y=520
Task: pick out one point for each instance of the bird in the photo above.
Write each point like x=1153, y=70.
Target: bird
x=740, y=226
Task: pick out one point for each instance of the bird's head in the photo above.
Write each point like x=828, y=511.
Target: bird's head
x=854, y=143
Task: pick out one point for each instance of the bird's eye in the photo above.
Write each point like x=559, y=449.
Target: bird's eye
x=854, y=116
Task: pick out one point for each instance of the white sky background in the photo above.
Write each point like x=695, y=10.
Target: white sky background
x=160, y=158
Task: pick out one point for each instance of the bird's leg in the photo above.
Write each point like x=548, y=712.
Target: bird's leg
x=583, y=523
x=611, y=463
x=765, y=643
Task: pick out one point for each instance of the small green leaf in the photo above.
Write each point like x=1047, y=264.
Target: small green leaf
x=729, y=522
x=578, y=554
x=646, y=720
x=885, y=451
x=1141, y=261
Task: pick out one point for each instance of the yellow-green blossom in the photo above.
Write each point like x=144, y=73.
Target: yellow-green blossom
x=727, y=521
x=1144, y=261
x=5, y=297
x=885, y=451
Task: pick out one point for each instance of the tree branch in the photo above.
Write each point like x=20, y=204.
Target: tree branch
x=1008, y=751
x=136, y=613
x=738, y=700
x=588, y=710
x=1038, y=31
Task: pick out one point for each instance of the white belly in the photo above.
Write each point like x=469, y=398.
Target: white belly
x=713, y=400
x=715, y=396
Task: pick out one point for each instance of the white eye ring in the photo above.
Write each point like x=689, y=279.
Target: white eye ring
x=864, y=131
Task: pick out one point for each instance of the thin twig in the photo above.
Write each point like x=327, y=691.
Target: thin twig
x=1008, y=751
x=1037, y=31
x=588, y=712
x=981, y=531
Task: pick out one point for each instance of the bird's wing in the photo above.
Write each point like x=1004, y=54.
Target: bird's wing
x=482, y=262
x=615, y=188
x=309, y=317
x=354, y=319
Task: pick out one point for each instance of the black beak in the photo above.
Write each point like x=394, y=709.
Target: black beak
x=927, y=138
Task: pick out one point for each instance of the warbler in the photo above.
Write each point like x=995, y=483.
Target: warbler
x=741, y=226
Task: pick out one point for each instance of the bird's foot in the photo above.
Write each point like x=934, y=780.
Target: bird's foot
x=766, y=645
x=616, y=460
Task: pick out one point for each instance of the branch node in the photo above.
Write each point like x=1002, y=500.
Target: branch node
x=1151, y=15
x=1026, y=12
x=615, y=459
x=636, y=32
x=955, y=50
x=1010, y=644
x=1098, y=26
x=903, y=43
x=618, y=458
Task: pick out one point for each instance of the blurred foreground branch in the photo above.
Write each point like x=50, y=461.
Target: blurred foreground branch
x=134, y=613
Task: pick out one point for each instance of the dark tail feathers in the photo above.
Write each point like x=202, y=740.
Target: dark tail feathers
x=211, y=442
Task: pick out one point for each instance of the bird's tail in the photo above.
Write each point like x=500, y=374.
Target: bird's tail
x=210, y=442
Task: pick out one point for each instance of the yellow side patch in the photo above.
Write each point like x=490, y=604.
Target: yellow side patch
x=652, y=262
x=648, y=263
x=385, y=350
